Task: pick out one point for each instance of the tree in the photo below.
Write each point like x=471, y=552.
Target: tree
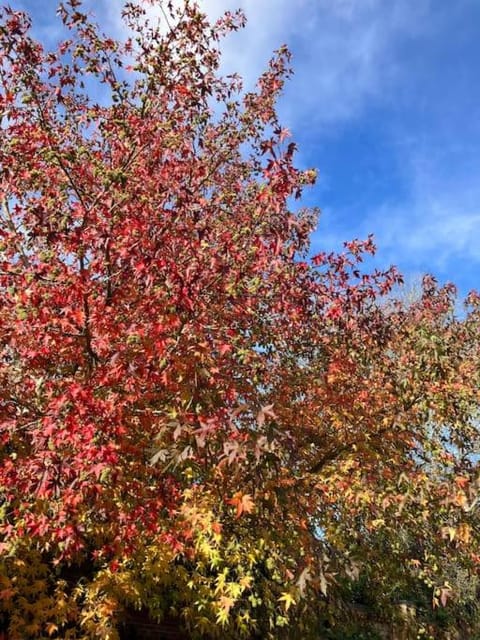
x=196, y=418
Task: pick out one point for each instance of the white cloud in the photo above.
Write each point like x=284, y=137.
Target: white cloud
x=433, y=224
x=419, y=232
x=344, y=50
x=438, y=222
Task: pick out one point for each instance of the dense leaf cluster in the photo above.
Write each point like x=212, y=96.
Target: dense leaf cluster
x=197, y=419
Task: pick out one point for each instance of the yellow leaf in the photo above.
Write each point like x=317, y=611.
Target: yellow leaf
x=449, y=532
x=246, y=582
x=287, y=600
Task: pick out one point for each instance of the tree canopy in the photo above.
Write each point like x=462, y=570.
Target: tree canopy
x=197, y=417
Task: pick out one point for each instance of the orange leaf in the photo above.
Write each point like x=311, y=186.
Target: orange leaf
x=243, y=503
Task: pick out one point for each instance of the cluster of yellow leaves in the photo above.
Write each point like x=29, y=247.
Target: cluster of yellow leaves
x=219, y=576
x=37, y=607
x=216, y=575
x=460, y=533
x=40, y=605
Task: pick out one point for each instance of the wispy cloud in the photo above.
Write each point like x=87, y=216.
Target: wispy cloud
x=438, y=223
x=344, y=50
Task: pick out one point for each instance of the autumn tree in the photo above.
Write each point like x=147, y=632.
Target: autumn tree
x=196, y=418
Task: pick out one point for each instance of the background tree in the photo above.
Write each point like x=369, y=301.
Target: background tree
x=196, y=419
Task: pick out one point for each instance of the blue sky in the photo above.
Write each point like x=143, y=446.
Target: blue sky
x=385, y=102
